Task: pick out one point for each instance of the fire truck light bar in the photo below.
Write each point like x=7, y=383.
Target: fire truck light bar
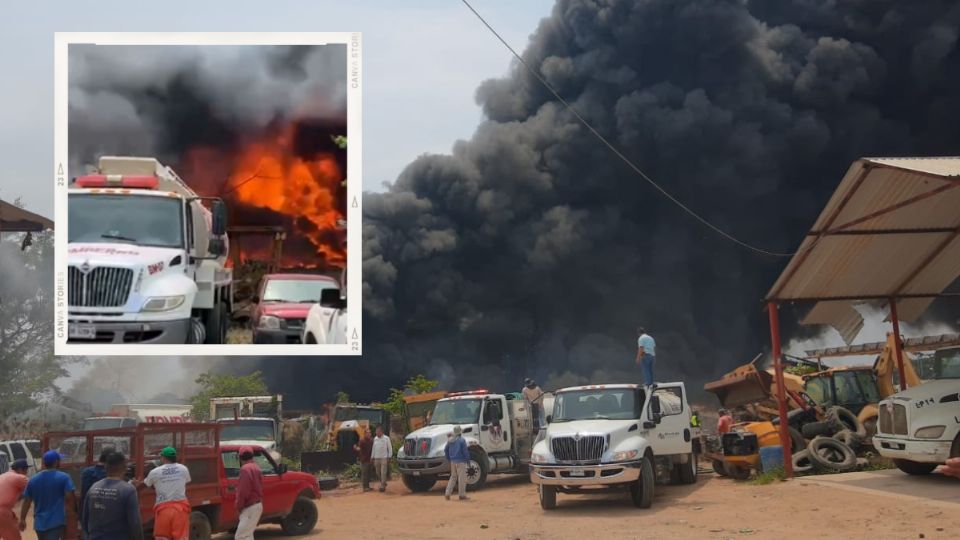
x=117, y=181
x=479, y=392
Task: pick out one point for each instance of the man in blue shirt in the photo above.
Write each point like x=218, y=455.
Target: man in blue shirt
x=93, y=474
x=459, y=457
x=51, y=490
x=646, y=355
x=112, y=508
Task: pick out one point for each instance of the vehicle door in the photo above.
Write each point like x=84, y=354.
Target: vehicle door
x=231, y=472
x=495, y=435
x=666, y=407
x=278, y=493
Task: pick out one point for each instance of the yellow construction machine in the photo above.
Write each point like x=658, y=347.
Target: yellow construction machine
x=419, y=408
x=349, y=421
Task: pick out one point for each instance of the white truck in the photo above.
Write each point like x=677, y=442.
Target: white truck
x=129, y=415
x=327, y=320
x=250, y=421
x=919, y=428
x=615, y=437
x=146, y=257
x=498, y=428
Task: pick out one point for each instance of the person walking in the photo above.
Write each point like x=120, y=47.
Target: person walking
x=646, y=356
x=51, y=490
x=249, y=495
x=171, y=511
x=381, y=453
x=12, y=485
x=458, y=455
x=111, y=508
x=93, y=474
x=364, y=448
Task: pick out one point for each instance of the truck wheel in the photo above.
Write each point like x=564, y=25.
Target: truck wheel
x=217, y=325
x=200, y=526
x=688, y=470
x=641, y=491
x=801, y=462
x=548, y=497
x=915, y=468
x=811, y=430
x=718, y=467
x=797, y=442
x=419, y=484
x=831, y=454
x=848, y=420
x=738, y=472
x=477, y=470
x=302, y=517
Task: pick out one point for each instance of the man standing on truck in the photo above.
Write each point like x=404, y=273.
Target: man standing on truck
x=172, y=510
x=249, y=495
x=532, y=393
x=381, y=453
x=646, y=356
x=459, y=457
x=52, y=490
x=364, y=449
x=111, y=508
x=12, y=484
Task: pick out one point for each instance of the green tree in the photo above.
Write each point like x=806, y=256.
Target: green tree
x=343, y=397
x=221, y=385
x=415, y=385
x=27, y=361
x=800, y=369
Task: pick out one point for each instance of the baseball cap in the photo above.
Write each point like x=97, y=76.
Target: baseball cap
x=169, y=452
x=246, y=451
x=457, y=430
x=19, y=465
x=51, y=457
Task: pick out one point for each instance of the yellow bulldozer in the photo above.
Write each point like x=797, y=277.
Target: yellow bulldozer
x=349, y=421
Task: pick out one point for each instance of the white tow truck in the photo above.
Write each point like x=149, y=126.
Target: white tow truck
x=250, y=421
x=615, y=436
x=146, y=257
x=498, y=428
x=919, y=428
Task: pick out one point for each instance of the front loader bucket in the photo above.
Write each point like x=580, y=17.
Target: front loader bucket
x=748, y=386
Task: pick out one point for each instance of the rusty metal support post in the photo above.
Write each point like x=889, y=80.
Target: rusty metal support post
x=897, y=343
x=785, y=439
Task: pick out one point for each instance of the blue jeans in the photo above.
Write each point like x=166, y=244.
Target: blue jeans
x=55, y=533
x=646, y=367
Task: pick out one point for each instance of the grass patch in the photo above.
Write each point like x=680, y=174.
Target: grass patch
x=768, y=477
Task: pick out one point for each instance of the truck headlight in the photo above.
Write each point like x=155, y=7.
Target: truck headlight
x=930, y=432
x=270, y=322
x=163, y=303
x=624, y=456
x=539, y=458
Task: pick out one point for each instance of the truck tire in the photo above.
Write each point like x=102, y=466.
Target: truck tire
x=216, y=325
x=548, y=497
x=477, y=470
x=848, y=420
x=797, y=442
x=801, y=462
x=328, y=483
x=718, y=467
x=688, y=471
x=200, y=526
x=820, y=450
x=849, y=438
x=419, y=484
x=915, y=468
x=738, y=472
x=302, y=517
x=812, y=430
x=641, y=491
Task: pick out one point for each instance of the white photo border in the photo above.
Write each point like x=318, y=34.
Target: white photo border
x=354, y=345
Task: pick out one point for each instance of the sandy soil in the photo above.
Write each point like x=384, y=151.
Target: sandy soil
x=716, y=508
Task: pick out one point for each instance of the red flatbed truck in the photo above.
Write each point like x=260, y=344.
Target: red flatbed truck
x=289, y=497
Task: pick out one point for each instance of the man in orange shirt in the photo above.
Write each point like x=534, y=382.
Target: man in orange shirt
x=12, y=484
x=724, y=422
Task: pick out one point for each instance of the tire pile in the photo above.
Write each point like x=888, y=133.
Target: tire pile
x=833, y=443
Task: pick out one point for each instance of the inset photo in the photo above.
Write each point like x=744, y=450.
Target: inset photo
x=210, y=189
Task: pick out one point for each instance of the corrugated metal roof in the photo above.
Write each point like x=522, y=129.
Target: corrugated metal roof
x=892, y=228
x=16, y=219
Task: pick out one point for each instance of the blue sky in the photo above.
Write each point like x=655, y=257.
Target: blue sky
x=422, y=64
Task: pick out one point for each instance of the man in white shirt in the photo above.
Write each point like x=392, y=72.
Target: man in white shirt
x=171, y=510
x=381, y=454
x=646, y=356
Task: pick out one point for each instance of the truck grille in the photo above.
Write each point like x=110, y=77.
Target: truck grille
x=293, y=324
x=896, y=423
x=416, y=447
x=588, y=448
x=101, y=287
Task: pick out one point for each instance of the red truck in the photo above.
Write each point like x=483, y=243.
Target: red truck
x=289, y=497
x=283, y=301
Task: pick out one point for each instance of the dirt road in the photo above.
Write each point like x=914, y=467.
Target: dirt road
x=716, y=508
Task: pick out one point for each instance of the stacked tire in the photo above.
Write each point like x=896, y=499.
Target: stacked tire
x=833, y=443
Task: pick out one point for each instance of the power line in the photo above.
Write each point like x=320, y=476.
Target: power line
x=624, y=158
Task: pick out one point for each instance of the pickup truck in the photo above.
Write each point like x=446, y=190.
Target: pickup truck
x=618, y=437
x=289, y=497
x=919, y=428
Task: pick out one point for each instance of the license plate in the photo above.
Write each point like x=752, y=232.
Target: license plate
x=416, y=473
x=578, y=472
x=81, y=331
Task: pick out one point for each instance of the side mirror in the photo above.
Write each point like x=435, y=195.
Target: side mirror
x=216, y=247
x=330, y=298
x=219, y=211
x=549, y=418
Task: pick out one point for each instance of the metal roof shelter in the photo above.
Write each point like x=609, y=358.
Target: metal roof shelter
x=16, y=219
x=890, y=233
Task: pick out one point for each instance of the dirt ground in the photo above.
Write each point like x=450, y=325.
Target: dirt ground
x=716, y=508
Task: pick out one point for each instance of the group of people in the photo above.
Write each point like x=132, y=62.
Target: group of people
x=374, y=454
x=109, y=504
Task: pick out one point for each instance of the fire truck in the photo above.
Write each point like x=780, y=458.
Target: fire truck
x=146, y=257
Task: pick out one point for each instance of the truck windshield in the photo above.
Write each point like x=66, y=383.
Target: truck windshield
x=141, y=220
x=456, y=411
x=612, y=404
x=102, y=423
x=946, y=364
x=303, y=291
x=374, y=416
x=248, y=431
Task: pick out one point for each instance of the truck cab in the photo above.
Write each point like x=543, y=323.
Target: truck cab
x=498, y=428
x=617, y=437
x=327, y=319
x=146, y=257
x=283, y=301
x=252, y=431
x=919, y=428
